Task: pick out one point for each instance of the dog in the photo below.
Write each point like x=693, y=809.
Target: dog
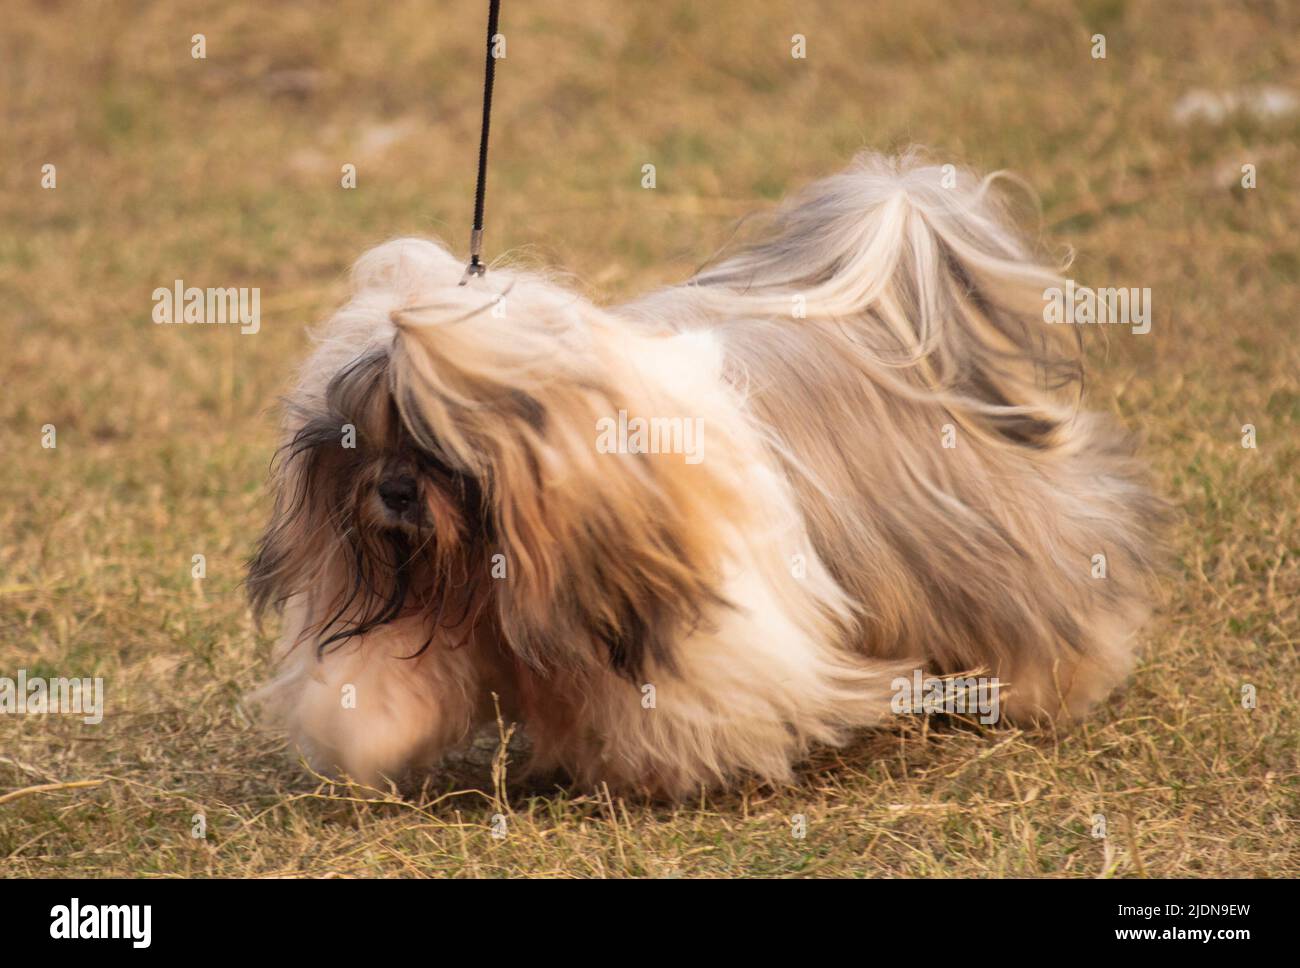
x=486, y=495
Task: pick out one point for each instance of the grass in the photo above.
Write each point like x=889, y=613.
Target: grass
x=226, y=172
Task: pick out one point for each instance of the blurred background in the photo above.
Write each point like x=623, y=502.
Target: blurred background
x=225, y=171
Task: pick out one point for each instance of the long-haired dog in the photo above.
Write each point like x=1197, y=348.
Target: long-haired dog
x=488, y=488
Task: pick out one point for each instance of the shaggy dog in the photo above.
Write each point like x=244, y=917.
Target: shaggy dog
x=687, y=538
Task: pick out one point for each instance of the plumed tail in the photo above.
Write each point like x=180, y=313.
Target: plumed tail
x=920, y=267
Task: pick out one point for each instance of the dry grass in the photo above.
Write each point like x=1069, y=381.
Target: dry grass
x=225, y=171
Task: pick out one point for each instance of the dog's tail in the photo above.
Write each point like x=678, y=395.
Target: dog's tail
x=921, y=269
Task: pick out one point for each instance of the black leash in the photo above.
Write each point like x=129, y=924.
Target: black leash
x=476, y=267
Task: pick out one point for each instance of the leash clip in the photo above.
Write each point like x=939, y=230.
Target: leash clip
x=475, y=267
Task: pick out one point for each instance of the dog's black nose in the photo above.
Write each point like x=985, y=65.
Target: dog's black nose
x=398, y=493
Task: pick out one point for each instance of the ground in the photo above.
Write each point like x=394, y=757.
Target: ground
x=226, y=170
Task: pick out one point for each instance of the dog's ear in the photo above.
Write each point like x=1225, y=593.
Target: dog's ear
x=607, y=554
x=312, y=476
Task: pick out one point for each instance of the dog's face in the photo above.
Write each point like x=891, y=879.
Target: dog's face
x=370, y=520
x=446, y=466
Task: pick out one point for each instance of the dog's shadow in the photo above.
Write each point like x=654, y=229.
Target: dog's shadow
x=480, y=770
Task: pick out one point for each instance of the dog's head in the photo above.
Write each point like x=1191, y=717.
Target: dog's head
x=440, y=457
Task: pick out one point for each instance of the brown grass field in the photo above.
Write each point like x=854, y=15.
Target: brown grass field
x=225, y=171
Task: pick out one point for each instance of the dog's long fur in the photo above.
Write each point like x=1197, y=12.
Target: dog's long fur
x=770, y=592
